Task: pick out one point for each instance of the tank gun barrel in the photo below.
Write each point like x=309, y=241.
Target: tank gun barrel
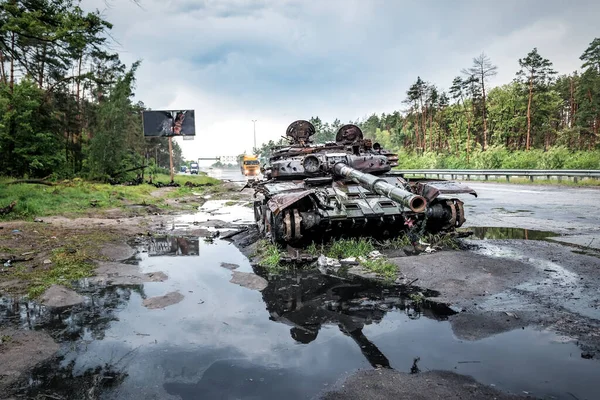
x=380, y=186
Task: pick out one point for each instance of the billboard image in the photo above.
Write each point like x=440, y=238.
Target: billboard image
x=165, y=123
x=174, y=246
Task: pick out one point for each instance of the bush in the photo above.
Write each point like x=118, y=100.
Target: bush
x=492, y=158
x=497, y=157
x=522, y=159
x=583, y=160
x=554, y=158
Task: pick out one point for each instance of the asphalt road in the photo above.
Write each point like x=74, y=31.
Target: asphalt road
x=233, y=175
x=565, y=210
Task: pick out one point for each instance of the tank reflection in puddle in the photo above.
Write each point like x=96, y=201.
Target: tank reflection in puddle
x=308, y=300
x=174, y=246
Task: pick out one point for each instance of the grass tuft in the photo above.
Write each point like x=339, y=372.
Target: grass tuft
x=68, y=265
x=344, y=248
x=269, y=256
x=398, y=242
x=381, y=266
x=75, y=197
x=360, y=249
x=445, y=241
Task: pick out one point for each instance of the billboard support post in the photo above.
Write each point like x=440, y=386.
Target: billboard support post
x=171, y=157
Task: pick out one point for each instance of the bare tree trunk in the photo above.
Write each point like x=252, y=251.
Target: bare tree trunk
x=454, y=135
x=431, y=138
x=12, y=62
x=41, y=72
x=417, y=123
x=439, y=123
x=78, y=133
x=2, y=71
x=484, y=117
x=423, y=116
x=468, y=134
x=404, y=122
x=572, y=104
x=529, y=114
x=77, y=94
x=594, y=121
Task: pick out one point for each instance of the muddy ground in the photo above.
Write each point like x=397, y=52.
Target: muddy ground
x=108, y=238
x=491, y=286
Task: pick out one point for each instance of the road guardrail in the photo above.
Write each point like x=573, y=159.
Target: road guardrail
x=559, y=174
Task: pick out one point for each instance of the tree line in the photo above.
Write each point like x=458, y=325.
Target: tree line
x=539, y=120
x=66, y=97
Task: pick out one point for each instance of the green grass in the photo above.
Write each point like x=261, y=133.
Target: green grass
x=398, y=242
x=269, y=255
x=202, y=179
x=417, y=298
x=67, y=266
x=563, y=182
x=343, y=248
x=445, y=241
x=360, y=248
x=71, y=261
x=381, y=266
x=78, y=196
x=211, y=184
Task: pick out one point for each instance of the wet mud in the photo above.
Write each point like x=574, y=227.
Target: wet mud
x=510, y=317
x=57, y=296
x=388, y=384
x=249, y=280
x=166, y=300
x=298, y=337
x=21, y=350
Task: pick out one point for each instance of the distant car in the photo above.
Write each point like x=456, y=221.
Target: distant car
x=184, y=169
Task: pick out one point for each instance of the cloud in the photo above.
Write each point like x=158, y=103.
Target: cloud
x=282, y=60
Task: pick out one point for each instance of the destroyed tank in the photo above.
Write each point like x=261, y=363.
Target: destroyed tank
x=347, y=188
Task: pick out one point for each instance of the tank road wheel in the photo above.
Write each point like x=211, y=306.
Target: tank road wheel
x=446, y=216
x=259, y=217
x=276, y=228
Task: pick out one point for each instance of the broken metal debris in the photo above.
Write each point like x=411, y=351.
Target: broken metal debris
x=8, y=209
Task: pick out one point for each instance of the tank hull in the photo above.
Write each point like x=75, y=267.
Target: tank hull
x=348, y=188
x=296, y=212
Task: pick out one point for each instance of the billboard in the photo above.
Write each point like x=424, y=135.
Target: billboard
x=174, y=246
x=165, y=123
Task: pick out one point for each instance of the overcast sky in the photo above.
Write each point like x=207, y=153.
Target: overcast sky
x=281, y=60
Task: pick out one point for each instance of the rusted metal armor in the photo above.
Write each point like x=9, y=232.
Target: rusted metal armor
x=347, y=188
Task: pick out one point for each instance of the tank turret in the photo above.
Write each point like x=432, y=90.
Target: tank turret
x=347, y=187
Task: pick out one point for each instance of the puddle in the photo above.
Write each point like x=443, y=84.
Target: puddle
x=227, y=211
x=505, y=211
x=297, y=336
x=173, y=246
x=567, y=286
x=508, y=233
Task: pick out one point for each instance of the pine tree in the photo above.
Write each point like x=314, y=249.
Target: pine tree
x=482, y=70
x=536, y=72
